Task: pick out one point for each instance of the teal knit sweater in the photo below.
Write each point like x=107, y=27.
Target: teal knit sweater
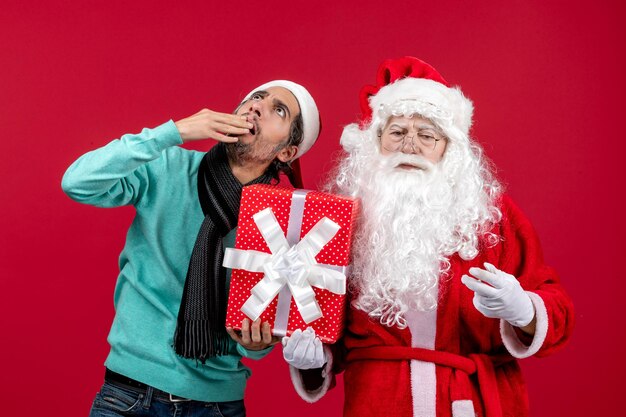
x=159, y=179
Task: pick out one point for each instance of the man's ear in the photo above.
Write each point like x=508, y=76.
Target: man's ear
x=287, y=154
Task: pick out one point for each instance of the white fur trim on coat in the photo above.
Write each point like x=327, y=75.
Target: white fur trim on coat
x=327, y=374
x=512, y=343
x=463, y=408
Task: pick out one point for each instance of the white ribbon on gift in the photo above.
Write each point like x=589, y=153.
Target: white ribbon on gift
x=292, y=266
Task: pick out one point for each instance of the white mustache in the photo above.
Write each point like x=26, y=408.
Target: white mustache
x=398, y=159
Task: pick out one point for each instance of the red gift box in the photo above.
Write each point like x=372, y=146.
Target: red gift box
x=290, y=259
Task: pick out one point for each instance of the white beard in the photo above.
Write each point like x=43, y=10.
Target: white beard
x=412, y=222
x=400, y=247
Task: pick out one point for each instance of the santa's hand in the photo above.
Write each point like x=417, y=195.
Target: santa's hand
x=504, y=298
x=304, y=350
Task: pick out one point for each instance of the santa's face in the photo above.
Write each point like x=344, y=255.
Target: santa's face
x=412, y=135
x=418, y=208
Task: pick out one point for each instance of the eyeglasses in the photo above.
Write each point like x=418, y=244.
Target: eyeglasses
x=395, y=138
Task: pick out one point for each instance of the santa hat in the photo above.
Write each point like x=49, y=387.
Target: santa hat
x=310, y=122
x=409, y=86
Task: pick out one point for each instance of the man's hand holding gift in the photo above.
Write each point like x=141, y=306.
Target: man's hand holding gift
x=255, y=336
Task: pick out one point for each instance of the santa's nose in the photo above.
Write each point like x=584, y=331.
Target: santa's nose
x=409, y=145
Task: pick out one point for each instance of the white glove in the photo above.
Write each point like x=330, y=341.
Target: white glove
x=504, y=298
x=304, y=350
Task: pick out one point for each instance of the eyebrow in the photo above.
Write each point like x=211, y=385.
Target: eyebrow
x=275, y=102
x=422, y=126
x=262, y=93
x=397, y=125
x=278, y=102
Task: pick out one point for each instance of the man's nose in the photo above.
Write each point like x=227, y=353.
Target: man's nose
x=409, y=145
x=258, y=107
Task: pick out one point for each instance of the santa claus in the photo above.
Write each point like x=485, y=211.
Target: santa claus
x=449, y=287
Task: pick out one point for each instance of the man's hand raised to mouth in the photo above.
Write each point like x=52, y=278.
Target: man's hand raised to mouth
x=205, y=124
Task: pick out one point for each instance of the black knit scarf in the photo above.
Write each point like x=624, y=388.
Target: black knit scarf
x=200, y=332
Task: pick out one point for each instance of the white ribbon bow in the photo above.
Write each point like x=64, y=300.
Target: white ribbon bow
x=293, y=266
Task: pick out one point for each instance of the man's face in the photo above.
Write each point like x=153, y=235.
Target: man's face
x=271, y=112
x=412, y=135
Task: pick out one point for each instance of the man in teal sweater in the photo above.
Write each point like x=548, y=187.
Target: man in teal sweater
x=170, y=353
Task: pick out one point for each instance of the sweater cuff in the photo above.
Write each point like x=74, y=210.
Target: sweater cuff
x=166, y=135
x=512, y=342
x=253, y=354
x=314, y=395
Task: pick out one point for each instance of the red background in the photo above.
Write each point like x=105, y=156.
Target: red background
x=547, y=79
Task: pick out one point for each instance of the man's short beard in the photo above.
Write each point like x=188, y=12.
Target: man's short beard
x=412, y=222
x=241, y=153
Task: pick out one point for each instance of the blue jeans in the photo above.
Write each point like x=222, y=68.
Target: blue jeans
x=115, y=401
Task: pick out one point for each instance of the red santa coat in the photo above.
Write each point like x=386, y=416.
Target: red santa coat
x=453, y=362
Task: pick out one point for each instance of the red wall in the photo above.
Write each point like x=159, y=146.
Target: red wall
x=547, y=79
